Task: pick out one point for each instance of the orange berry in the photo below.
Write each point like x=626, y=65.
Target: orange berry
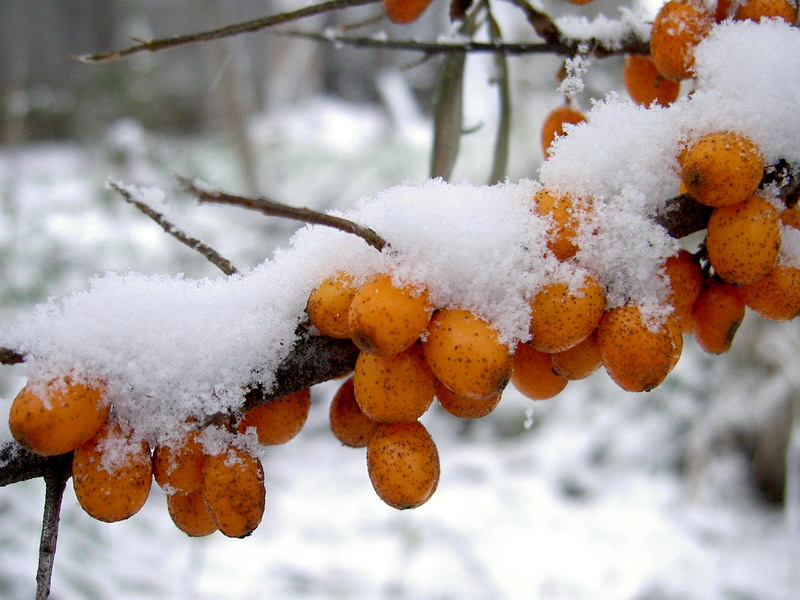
x=645, y=84
x=403, y=464
x=554, y=124
x=564, y=215
x=465, y=408
x=580, y=361
x=755, y=10
x=561, y=318
x=638, y=355
x=721, y=168
x=716, y=315
x=386, y=319
x=685, y=278
x=790, y=216
x=677, y=29
x=329, y=305
x=112, y=474
x=233, y=488
x=743, y=240
x=776, y=296
x=348, y=422
x=403, y=12
x=178, y=468
x=58, y=416
x=190, y=513
x=394, y=389
x=279, y=420
x=466, y=354
x=533, y=374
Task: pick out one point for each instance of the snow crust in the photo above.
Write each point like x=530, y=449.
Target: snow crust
x=172, y=347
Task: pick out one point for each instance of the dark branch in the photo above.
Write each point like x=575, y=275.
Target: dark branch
x=277, y=209
x=222, y=263
x=683, y=215
x=223, y=32
x=10, y=357
x=563, y=48
x=55, y=480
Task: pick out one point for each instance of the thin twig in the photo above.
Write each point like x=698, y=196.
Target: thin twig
x=223, y=32
x=562, y=48
x=55, y=480
x=212, y=255
x=277, y=209
x=10, y=357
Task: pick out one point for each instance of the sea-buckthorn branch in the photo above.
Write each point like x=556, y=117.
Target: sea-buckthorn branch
x=55, y=479
x=231, y=30
x=219, y=261
x=277, y=209
x=10, y=357
x=562, y=48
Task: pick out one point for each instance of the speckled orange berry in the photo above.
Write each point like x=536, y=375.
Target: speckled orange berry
x=466, y=354
x=790, y=216
x=644, y=84
x=394, y=389
x=562, y=317
x=580, y=361
x=721, y=168
x=678, y=27
x=351, y=426
x=178, y=467
x=755, y=10
x=328, y=305
x=743, y=240
x=386, y=319
x=58, y=416
x=776, y=296
x=279, y=420
x=403, y=464
x=564, y=214
x=685, y=278
x=403, y=12
x=233, y=488
x=112, y=474
x=554, y=124
x=190, y=513
x=533, y=374
x=716, y=315
x=638, y=354
x=465, y=408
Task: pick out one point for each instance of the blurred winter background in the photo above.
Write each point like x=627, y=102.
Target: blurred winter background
x=598, y=494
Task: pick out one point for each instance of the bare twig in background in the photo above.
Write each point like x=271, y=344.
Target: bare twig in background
x=55, y=479
x=223, y=32
x=276, y=209
x=212, y=255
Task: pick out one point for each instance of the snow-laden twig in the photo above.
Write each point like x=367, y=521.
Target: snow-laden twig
x=10, y=357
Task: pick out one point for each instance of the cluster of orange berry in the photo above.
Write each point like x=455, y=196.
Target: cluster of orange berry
x=112, y=471
x=679, y=26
